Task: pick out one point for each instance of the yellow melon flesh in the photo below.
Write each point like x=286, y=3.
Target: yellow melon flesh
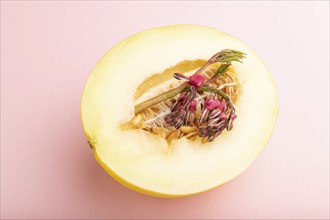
x=147, y=163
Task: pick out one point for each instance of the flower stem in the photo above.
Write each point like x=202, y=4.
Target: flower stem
x=161, y=97
x=222, y=69
x=209, y=62
x=219, y=92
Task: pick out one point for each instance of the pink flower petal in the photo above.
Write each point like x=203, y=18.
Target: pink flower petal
x=196, y=80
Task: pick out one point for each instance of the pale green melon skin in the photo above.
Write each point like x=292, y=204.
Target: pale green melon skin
x=99, y=123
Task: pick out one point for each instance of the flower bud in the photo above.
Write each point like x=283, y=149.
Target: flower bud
x=182, y=97
x=223, y=105
x=222, y=116
x=215, y=113
x=180, y=76
x=207, y=101
x=216, y=134
x=196, y=80
x=193, y=106
x=211, y=104
x=230, y=123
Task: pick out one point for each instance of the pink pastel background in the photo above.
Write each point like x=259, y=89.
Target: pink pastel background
x=48, y=50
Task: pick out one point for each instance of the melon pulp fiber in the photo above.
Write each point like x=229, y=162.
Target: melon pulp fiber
x=146, y=163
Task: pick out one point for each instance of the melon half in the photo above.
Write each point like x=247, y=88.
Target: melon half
x=143, y=64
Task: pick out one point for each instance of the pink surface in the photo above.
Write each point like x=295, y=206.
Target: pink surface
x=48, y=50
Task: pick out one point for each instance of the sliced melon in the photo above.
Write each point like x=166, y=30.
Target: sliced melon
x=142, y=65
